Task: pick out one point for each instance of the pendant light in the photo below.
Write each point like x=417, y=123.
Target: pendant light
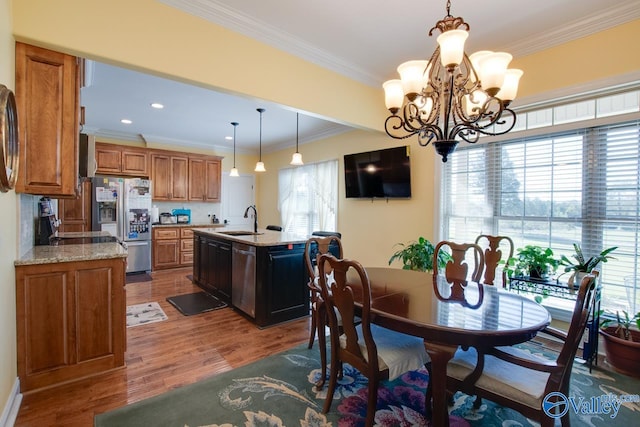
x=260, y=165
x=234, y=170
x=296, y=159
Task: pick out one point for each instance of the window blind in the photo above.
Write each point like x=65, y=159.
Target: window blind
x=554, y=190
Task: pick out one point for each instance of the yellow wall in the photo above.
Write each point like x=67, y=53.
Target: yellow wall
x=8, y=230
x=596, y=57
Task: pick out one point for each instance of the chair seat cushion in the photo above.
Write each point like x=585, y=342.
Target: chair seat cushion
x=503, y=378
x=397, y=352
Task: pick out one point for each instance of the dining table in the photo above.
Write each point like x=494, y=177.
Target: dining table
x=489, y=316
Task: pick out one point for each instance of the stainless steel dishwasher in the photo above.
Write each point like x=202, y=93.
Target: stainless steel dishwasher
x=243, y=278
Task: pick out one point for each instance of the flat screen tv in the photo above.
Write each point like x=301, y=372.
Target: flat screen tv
x=378, y=174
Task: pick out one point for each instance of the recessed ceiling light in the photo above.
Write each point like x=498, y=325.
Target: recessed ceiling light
x=126, y=121
x=157, y=105
x=228, y=138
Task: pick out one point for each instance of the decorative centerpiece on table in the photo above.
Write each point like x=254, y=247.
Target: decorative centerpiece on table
x=622, y=343
x=418, y=255
x=582, y=264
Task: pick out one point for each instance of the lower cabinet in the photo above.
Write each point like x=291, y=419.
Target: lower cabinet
x=70, y=320
x=212, y=266
x=281, y=284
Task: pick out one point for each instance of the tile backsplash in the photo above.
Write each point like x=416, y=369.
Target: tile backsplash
x=201, y=213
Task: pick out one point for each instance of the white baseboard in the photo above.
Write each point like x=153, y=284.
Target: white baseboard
x=12, y=406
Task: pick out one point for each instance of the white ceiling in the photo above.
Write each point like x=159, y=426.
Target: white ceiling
x=362, y=39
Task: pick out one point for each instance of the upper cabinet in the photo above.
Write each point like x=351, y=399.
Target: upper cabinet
x=47, y=98
x=115, y=159
x=204, y=179
x=169, y=176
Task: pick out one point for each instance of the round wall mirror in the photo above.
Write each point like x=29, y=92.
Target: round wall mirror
x=10, y=146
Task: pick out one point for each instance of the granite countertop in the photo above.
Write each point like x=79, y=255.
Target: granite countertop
x=263, y=238
x=69, y=253
x=192, y=224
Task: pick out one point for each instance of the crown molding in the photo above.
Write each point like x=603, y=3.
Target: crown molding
x=594, y=23
x=218, y=13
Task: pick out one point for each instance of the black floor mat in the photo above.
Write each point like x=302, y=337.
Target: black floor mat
x=137, y=278
x=199, y=302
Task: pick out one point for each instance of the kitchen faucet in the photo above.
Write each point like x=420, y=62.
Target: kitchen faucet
x=255, y=217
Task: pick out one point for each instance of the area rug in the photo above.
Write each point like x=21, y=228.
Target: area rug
x=279, y=391
x=138, y=278
x=142, y=314
x=195, y=303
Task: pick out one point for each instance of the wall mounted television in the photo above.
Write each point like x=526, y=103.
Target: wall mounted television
x=378, y=174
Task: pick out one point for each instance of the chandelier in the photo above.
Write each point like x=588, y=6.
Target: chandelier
x=452, y=96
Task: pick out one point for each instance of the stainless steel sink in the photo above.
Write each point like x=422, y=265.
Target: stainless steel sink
x=239, y=233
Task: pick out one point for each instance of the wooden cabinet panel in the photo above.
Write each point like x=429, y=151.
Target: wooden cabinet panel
x=75, y=214
x=179, y=178
x=204, y=179
x=166, y=254
x=213, y=180
x=135, y=162
x=70, y=320
x=113, y=159
x=166, y=233
x=169, y=175
x=47, y=91
x=108, y=158
x=93, y=288
x=161, y=176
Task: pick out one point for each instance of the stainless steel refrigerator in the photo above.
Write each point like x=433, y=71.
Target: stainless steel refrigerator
x=122, y=206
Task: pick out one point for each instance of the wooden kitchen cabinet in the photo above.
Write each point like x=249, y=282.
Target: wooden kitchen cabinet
x=186, y=246
x=172, y=247
x=204, y=179
x=166, y=248
x=212, y=266
x=113, y=159
x=75, y=214
x=170, y=176
x=70, y=320
x=47, y=98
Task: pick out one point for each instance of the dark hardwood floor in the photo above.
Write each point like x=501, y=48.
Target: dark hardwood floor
x=162, y=356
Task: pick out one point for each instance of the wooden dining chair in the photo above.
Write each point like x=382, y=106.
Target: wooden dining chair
x=314, y=247
x=466, y=263
x=496, y=248
x=378, y=353
x=518, y=379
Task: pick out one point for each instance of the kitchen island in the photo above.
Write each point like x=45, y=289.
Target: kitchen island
x=70, y=312
x=260, y=274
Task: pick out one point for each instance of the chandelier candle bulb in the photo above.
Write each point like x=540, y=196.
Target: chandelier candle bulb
x=452, y=47
x=412, y=76
x=509, y=88
x=393, y=95
x=493, y=68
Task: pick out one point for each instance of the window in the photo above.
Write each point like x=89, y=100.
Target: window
x=579, y=186
x=308, y=197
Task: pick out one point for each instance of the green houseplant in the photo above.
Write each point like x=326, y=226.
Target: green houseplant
x=418, y=255
x=583, y=264
x=622, y=343
x=532, y=261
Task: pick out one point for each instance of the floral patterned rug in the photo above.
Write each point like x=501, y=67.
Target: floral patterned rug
x=279, y=391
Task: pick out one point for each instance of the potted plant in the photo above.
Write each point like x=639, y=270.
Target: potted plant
x=583, y=265
x=532, y=261
x=621, y=343
x=418, y=255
